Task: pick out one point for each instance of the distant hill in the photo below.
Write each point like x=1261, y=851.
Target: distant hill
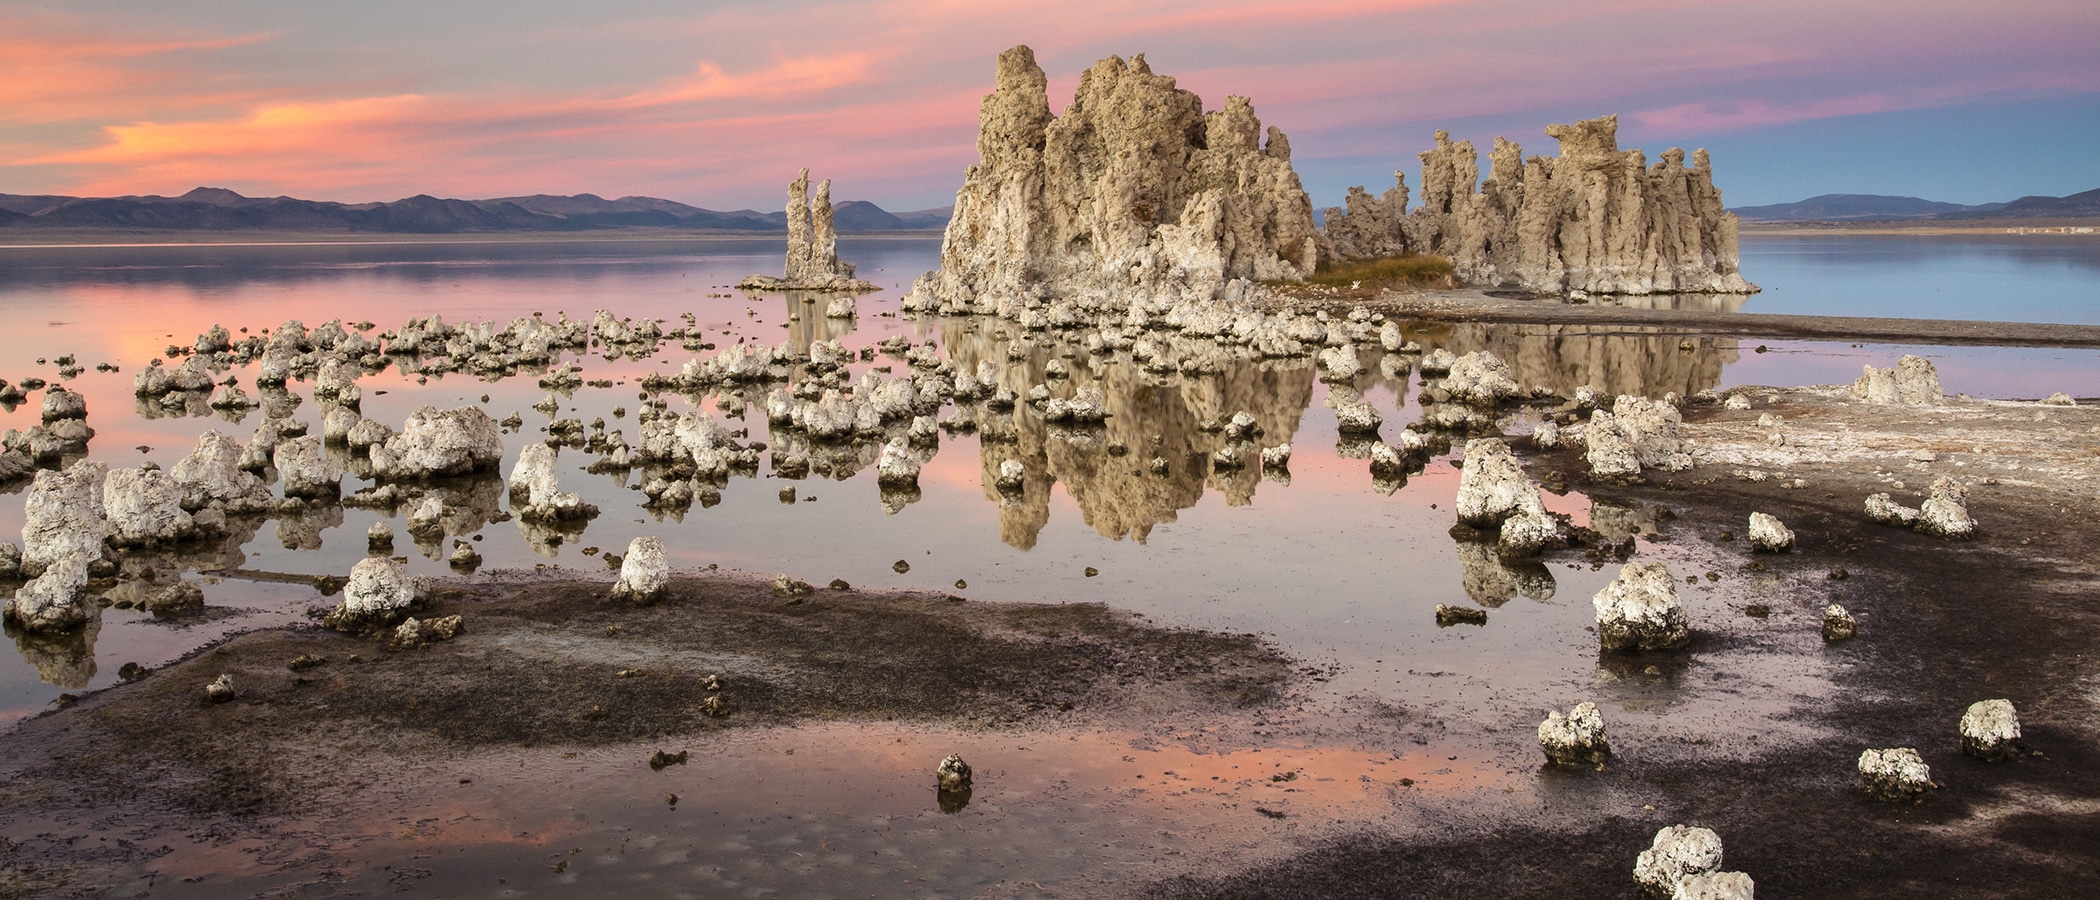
x=1884, y=208
x=218, y=209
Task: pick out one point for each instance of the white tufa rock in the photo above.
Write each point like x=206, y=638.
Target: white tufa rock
x=63, y=518
x=1676, y=852
x=55, y=600
x=1945, y=512
x=1277, y=457
x=1913, y=382
x=1547, y=436
x=644, y=572
x=219, y=690
x=2058, y=399
x=1737, y=401
x=896, y=467
x=438, y=444
x=1888, y=512
x=1769, y=535
x=1357, y=418
x=211, y=476
x=144, y=506
x=60, y=403
x=305, y=469
x=378, y=595
x=1494, y=492
x=1990, y=729
x=1480, y=378
x=1715, y=886
x=1576, y=738
x=1894, y=774
x=534, y=493
x=1639, y=610
x=1636, y=434
x=812, y=257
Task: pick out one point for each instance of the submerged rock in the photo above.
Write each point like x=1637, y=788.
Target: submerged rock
x=378, y=595
x=1894, y=774
x=1639, y=610
x=1574, y=739
x=1769, y=535
x=644, y=572
x=1677, y=851
x=1990, y=729
x=1447, y=616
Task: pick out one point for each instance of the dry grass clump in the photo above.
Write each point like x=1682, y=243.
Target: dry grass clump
x=1384, y=271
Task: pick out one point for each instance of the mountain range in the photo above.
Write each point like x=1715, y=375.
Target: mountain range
x=1884, y=208
x=218, y=209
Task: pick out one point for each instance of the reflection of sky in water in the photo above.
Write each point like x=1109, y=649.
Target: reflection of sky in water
x=1331, y=567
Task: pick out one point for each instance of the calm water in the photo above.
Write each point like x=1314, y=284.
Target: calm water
x=1340, y=570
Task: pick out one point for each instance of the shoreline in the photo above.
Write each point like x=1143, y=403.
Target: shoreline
x=101, y=238
x=2007, y=227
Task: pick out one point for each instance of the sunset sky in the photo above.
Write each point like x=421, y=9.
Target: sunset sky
x=717, y=103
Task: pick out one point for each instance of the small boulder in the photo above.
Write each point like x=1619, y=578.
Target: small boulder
x=1715, y=886
x=1639, y=610
x=1277, y=457
x=305, y=469
x=1479, y=378
x=1769, y=535
x=176, y=599
x=952, y=775
x=2059, y=399
x=1447, y=616
x=1990, y=729
x=896, y=468
x=1677, y=851
x=378, y=594
x=379, y=538
x=1838, y=625
x=1945, y=512
x=219, y=690
x=644, y=572
x=60, y=403
x=1882, y=509
x=1574, y=739
x=437, y=443
x=1894, y=774
x=1913, y=382
x=786, y=586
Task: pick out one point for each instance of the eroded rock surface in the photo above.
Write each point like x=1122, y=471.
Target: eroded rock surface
x=1135, y=196
x=1894, y=774
x=1639, y=610
x=1676, y=852
x=438, y=444
x=1990, y=729
x=644, y=572
x=378, y=595
x=812, y=257
x=1912, y=382
x=1576, y=738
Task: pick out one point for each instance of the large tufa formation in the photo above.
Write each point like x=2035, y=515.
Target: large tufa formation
x=812, y=259
x=1134, y=195
x=1595, y=218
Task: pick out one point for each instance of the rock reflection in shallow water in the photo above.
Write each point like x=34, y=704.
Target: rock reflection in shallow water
x=1150, y=414
x=64, y=659
x=1615, y=360
x=1491, y=580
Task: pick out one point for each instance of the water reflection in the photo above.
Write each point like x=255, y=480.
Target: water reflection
x=1614, y=360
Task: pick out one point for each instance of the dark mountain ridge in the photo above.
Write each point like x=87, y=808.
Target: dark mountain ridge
x=1885, y=208
x=219, y=209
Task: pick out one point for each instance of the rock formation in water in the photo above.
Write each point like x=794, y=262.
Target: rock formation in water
x=1595, y=218
x=812, y=259
x=1135, y=194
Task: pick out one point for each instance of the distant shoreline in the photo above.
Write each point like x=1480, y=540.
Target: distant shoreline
x=115, y=237
x=2019, y=227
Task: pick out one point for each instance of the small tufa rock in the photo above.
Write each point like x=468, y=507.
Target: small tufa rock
x=1677, y=851
x=1913, y=382
x=1945, y=512
x=1737, y=401
x=1769, y=535
x=1894, y=774
x=644, y=572
x=1575, y=739
x=219, y=690
x=1639, y=610
x=1715, y=886
x=660, y=760
x=1990, y=730
x=953, y=775
x=2059, y=399
x=1447, y=616
x=379, y=538
x=1882, y=509
x=787, y=586
x=1838, y=625
x=378, y=594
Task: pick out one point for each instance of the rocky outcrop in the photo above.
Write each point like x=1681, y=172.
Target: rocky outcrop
x=1576, y=738
x=378, y=595
x=1913, y=381
x=1894, y=774
x=1594, y=219
x=439, y=444
x=1494, y=493
x=536, y=495
x=1134, y=196
x=63, y=518
x=1639, y=610
x=812, y=257
x=1637, y=433
x=1769, y=535
x=144, y=506
x=644, y=572
x=1990, y=729
x=211, y=476
x=1677, y=852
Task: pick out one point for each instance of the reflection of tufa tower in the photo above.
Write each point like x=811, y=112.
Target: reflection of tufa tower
x=812, y=256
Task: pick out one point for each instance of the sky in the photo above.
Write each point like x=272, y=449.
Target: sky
x=718, y=103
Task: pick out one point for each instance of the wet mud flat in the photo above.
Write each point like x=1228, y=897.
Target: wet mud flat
x=2012, y=613
x=131, y=787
